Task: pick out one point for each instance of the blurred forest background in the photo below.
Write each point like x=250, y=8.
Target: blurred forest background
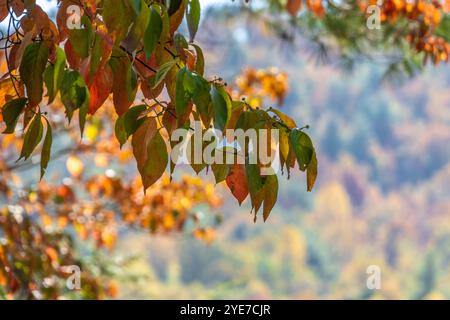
x=382, y=196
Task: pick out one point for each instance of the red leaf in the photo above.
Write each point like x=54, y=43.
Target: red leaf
x=100, y=87
x=237, y=182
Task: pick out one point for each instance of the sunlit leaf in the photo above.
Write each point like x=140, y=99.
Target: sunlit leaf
x=46, y=148
x=54, y=74
x=193, y=17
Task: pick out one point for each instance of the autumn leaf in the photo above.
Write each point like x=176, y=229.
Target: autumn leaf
x=270, y=195
x=311, y=172
x=46, y=148
x=100, y=88
x=293, y=7
x=303, y=148
x=54, y=74
x=221, y=106
x=32, y=137
x=193, y=17
x=31, y=70
x=150, y=152
x=127, y=124
x=237, y=182
x=124, y=83
x=11, y=113
x=153, y=31
x=118, y=24
x=3, y=9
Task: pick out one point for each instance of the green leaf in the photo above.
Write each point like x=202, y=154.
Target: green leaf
x=221, y=106
x=153, y=32
x=81, y=39
x=202, y=98
x=46, y=148
x=54, y=74
x=220, y=171
x=140, y=25
x=182, y=96
x=254, y=179
x=32, y=137
x=200, y=64
x=193, y=11
x=180, y=43
x=163, y=71
x=303, y=148
x=127, y=124
x=119, y=131
x=75, y=95
x=31, y=70
x=118, y=16
x=11, y=113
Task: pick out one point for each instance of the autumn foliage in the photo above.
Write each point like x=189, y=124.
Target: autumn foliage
x=129, y=77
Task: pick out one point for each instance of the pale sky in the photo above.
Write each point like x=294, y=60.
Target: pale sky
x=45, y=4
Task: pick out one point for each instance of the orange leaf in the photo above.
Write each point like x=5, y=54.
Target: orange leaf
x=3, y=9
x=99, y=88
x=293, y=7
x=237, y=182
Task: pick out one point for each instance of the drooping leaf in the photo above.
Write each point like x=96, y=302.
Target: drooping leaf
x=11, y=113
x=270, y=195
x=293, y=7
x=46, y=148
x=150, y=151
x=124, y=83
x=254, y=179
x=3, y=10
x=182, y=95
x=118, y=16
x=201, y=96
x=127, y=124
x=303, y=148
x=100, y=88
x=140, y=25
x=99, y=54
x=176, y=14
x=311, y=172
x=220, y=171
x=31, y=70
x=153, y=32
x=221, y=106
x=237, y=182
x=200, y=61
x=193, y=17
x=32, y=137
x=75, y=95
x=54, y=74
